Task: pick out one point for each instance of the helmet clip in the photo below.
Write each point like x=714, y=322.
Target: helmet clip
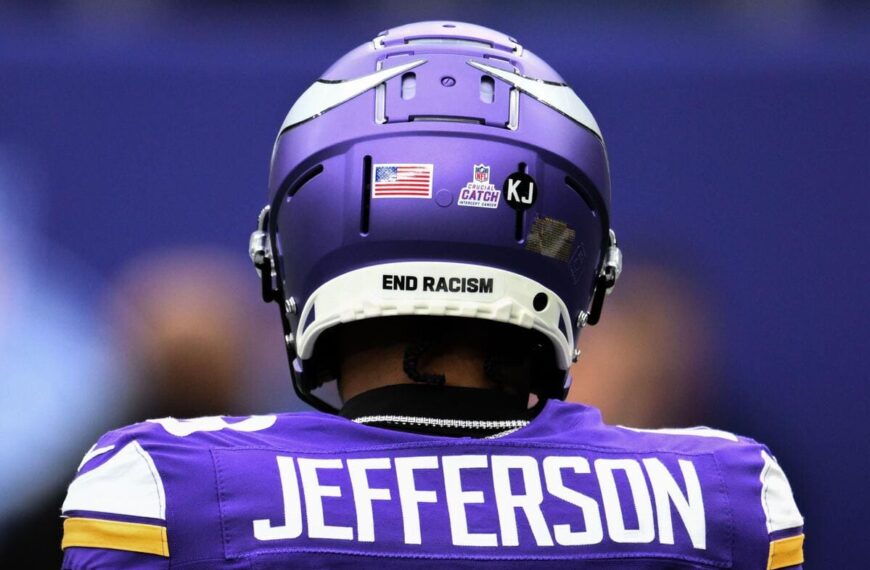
x=611, y=268
x=260, y=251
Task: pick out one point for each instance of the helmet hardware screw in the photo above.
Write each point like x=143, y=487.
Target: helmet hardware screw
x=582, y=319
x=448, y=81
x=290, y=306
x=576, y=355
x=289, y=339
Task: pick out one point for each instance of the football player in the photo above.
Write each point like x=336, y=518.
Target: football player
x=437, y=235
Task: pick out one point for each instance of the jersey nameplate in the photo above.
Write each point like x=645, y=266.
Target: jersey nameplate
x=553, y=503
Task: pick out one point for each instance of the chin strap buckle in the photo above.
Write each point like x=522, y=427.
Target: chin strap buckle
x=606, y=281
x=260, y=250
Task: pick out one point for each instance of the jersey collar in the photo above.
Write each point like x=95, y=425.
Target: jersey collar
x=440, y=410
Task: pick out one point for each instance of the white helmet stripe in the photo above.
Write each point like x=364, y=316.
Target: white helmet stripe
x=324, y=94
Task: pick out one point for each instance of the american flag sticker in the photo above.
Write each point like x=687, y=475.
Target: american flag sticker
x=402, y=181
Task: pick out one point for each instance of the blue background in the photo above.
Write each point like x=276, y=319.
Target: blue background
x=739, y=140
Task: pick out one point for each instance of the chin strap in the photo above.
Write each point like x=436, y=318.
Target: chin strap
x=610, y=271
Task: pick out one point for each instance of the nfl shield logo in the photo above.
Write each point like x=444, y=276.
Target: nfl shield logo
x=481, y=173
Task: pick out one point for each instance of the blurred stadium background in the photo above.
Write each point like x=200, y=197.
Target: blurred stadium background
x=134, y=146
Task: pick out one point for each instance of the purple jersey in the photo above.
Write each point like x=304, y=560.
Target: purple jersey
x=313, y=490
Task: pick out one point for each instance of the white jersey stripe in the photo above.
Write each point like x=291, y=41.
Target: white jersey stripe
x=777, y=499
x=127, y=484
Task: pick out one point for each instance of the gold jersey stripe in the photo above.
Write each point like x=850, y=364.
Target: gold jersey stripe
x=786, y=552
x=116, y=535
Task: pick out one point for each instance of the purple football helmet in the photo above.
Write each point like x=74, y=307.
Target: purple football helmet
x=440, y=169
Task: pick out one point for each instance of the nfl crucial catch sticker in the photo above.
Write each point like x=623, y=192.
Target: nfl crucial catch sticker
x=479, y=193
x=402, y=180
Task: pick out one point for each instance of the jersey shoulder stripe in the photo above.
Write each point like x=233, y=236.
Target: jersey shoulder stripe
x=786, y=552
x=115, y=535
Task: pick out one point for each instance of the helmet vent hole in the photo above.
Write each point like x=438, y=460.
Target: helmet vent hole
x=366, y=196
x=583, y=192
x=291, y=187
x=487, y=89
x=520, y=223
x=448, y=26
x=540, y=302
x=409, y=86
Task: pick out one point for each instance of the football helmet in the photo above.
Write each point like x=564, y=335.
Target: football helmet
x=439, y=169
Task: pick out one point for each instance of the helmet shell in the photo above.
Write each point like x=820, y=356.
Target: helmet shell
x=442, y=112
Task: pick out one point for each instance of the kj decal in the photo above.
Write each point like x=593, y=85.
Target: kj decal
x=479, y=193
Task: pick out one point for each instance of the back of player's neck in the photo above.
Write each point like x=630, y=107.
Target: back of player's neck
x=384, y=366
